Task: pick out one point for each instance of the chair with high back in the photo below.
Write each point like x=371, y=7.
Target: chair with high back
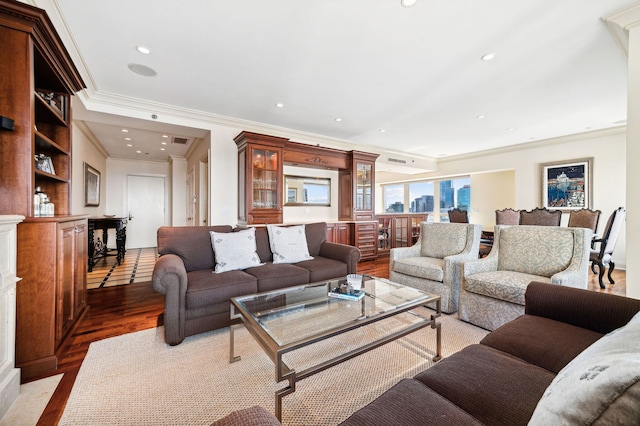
x=584, y=218
x=432, y=263
x=507, y=216
x=602, y=256
x=458, y=216
x=541, y=217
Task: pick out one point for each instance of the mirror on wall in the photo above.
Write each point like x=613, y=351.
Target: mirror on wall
x=307, y=191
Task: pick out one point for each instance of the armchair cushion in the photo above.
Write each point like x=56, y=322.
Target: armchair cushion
x=424, y=267
x=451, y=239
x=599, y=386
x=521, y=250
x=503, y=285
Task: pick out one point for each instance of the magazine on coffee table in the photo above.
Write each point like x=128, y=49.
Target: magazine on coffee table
x=346, y=292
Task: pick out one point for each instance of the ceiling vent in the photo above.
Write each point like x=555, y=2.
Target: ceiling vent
x=179, y=141
x=396, y=160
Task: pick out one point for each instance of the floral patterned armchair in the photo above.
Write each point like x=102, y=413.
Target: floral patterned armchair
x=492, y=288
x=432, y=263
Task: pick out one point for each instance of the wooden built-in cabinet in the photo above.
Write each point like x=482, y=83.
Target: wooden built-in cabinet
x=259, y=178
x=37, y=80
x=398, y=230
x=339, y=232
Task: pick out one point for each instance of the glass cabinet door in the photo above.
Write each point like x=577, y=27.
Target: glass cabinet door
x=265, y=179
x=364, y=186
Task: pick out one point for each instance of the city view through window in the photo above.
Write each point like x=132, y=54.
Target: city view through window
x=422, y=197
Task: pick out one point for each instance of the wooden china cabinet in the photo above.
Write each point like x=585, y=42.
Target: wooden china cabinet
x=37, y=80
x=259, y=178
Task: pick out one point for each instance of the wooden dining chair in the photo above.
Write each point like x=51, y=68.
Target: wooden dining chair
x=507, y=216
x=584, y=218
x=458, y=216
x=541, y=217
x=603, y=254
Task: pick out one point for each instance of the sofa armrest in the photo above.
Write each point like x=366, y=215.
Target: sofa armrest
x=342, y=252
x=170, y=278
x=592, y=310
x=576, y=274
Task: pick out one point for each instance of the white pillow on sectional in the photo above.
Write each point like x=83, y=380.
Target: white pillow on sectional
x=235, y=250
x=599, y=386
x=288, y=244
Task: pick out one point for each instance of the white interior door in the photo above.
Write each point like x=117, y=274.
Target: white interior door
x=146, y=206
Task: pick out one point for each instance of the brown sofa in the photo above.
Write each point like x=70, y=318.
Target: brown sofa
x=197, y=300
x=502, y=380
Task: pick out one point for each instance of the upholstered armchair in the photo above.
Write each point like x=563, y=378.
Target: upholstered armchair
x=492, y=289
x=432, y=264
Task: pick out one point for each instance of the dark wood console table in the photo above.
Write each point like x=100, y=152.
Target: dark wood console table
x=98, y=248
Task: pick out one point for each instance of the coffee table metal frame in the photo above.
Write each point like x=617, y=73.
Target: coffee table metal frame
x=240, y=315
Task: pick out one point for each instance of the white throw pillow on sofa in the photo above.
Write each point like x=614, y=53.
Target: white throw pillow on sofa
x=288, y=244
x=235, y=250
x=599, y=386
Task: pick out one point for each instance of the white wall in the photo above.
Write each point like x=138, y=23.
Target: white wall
x=495, y=189
x=84, y=150
x=608, y=148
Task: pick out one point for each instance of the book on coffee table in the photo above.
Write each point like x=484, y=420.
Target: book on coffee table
x=347, y=293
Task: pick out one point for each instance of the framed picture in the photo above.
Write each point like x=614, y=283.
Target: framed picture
x=91, y=186
x=292, y=195
x=566, y=185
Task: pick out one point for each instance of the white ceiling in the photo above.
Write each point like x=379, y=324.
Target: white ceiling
x=414, y=72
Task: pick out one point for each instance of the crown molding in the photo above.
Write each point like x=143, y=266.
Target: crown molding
x=620, y=22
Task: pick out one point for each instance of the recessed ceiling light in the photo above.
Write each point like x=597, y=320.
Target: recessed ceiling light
x=338, y=119
x=124, y=130
x=510, y=129
x=142, y=70
x=127, y=139
x=162, y=149
x=407, y=3
x=129, y=145
x=163, y=143
x=488, y=56
x=481, y=116
x=165, y=136
x=143, y=49
x=138, y=152
x=280, y=105
x=382, y=130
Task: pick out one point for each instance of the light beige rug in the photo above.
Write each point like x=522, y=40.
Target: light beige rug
x=136, y=379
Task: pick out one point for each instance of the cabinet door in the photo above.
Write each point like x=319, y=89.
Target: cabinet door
x=402, y=231
x=65, y=291
x=80, y=285
x=364, y=190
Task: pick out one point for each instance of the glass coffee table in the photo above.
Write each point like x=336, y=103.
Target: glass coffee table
x=284, y=320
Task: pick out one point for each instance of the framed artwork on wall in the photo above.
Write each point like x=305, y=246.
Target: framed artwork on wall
x=567, y=185
x=91, y=186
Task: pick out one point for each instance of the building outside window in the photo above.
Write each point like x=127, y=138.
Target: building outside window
x=421, y=197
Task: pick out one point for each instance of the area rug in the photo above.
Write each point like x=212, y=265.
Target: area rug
x=137, y=379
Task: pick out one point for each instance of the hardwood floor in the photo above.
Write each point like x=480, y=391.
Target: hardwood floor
x=134, y=307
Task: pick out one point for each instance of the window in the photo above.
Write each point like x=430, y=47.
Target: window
x=393, y=198
x=422, y=197
x=454, y=193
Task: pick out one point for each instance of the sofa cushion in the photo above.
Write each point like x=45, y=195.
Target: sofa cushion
x=316, y=235
x=288, y=243
x=206, y=288
x=502, y=285
x=443, y=239
x=191, y=243
x=410, y=402
x=275, y=276
x=321, y=268
x=235, y=250
x=535, y=250
x=430, y=268
x=494, y=387
x=541, y=341
x=600, y=386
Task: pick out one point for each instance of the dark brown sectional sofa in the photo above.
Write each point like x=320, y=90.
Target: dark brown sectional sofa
x=501, y=380
x=197, y=300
